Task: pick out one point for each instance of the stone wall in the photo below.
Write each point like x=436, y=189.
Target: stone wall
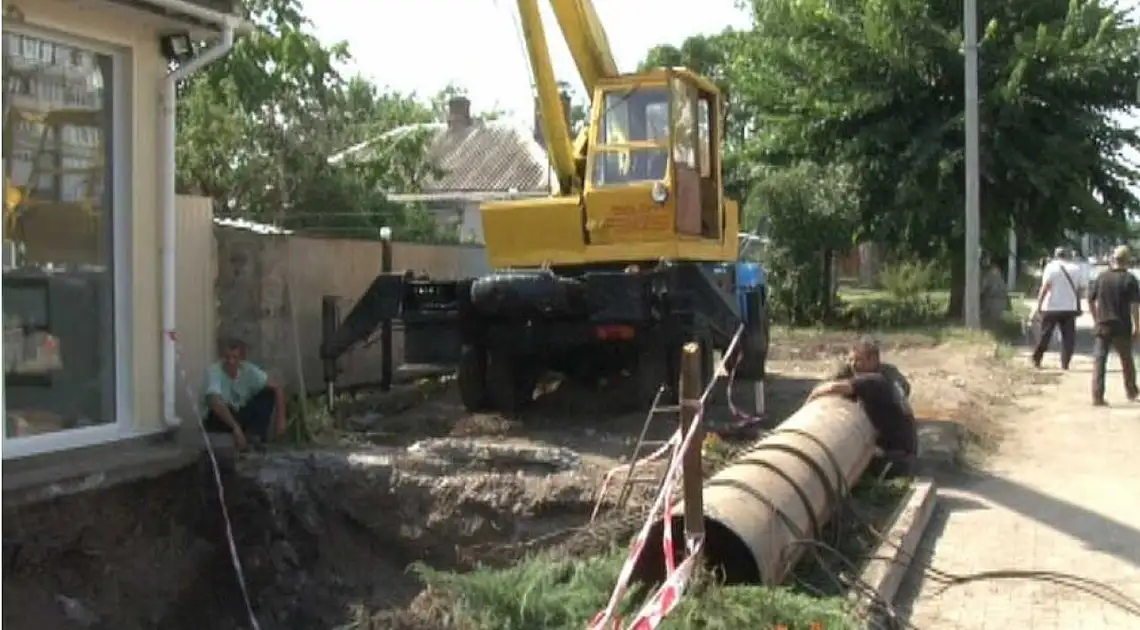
x=269, y=290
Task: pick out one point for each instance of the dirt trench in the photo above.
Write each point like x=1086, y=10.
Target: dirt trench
x=325, y=539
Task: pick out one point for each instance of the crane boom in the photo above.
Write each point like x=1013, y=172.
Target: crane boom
x=587, y=41
x=554, y=127
x=590, y=48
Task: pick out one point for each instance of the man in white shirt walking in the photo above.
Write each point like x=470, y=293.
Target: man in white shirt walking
x=1059, y=305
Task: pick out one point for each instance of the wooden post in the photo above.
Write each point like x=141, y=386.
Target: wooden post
x=690, y=389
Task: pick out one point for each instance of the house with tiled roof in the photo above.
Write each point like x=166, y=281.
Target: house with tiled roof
x=478, y=161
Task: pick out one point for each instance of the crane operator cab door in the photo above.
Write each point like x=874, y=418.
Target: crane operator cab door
x=652, y=170
x=626, y=192
x=696, y=172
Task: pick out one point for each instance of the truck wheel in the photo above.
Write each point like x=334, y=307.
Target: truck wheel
x=472, y=377
x=509, y=384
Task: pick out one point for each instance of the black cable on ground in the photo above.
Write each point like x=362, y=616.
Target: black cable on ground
x=1101, y=590
x=857, y=583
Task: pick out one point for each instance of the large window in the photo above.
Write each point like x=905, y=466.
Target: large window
x=58, y=245
x=633, y=141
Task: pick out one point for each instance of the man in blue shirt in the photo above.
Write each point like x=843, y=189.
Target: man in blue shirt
x=241, y=399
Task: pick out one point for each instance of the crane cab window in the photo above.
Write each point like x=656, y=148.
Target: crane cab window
x=692, y=126
x=696, y=173
x=633, y=138
x=684, y=124
x=704, y=147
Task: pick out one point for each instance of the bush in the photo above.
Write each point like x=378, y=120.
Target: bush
x=809, y=210
x=892, y=312
x=907, y=280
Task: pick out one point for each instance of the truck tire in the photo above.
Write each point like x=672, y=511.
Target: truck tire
x=472, y=377
x=510, y=385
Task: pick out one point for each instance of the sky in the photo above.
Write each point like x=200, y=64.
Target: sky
x=423, y=45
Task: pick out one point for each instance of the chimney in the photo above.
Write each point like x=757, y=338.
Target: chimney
x=538, y=136
x=458, y=113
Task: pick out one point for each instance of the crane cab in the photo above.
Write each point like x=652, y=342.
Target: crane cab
x=651, y=184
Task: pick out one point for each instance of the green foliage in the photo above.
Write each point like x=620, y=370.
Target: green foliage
x=557, y=594
x=876, y=85
x=885, y=312
x=908, y=279
x=257, y=128
x=808, y=210
x=880, y=492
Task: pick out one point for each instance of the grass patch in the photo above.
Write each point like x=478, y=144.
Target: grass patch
x=555, y=591
x=564, y=594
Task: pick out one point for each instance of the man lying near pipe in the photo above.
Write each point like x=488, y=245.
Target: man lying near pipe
x=866, y=358
x=889, y=412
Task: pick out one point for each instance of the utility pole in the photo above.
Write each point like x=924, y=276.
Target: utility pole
x=973, y=246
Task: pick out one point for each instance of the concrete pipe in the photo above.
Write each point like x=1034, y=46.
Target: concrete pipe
x=783, y=489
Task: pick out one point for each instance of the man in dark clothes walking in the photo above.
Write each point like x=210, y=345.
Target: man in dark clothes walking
x=889, y=413
x=1114, y=301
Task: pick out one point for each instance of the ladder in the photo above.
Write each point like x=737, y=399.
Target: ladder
x=631, y=479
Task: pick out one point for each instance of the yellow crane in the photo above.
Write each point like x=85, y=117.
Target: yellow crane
x=643, y=180
x=635, y=253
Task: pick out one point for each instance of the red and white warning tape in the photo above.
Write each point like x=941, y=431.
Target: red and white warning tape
x=677, y=577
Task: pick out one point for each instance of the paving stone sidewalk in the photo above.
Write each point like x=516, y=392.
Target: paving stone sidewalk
x=1063, y=494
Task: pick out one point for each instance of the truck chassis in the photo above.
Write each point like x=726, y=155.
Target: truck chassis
x=505, y=330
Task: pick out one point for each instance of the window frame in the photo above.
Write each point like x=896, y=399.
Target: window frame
x=601, y=145
x=122, y=248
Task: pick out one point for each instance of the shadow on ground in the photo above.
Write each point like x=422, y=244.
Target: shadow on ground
x=1096, y=531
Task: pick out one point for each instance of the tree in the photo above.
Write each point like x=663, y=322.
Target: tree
x=877, y=85
x=256, y=131
x=809, y=211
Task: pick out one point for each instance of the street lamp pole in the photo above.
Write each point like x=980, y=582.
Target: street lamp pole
x=973, y=247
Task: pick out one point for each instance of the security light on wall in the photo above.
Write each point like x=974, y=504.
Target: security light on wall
x=177, y=47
